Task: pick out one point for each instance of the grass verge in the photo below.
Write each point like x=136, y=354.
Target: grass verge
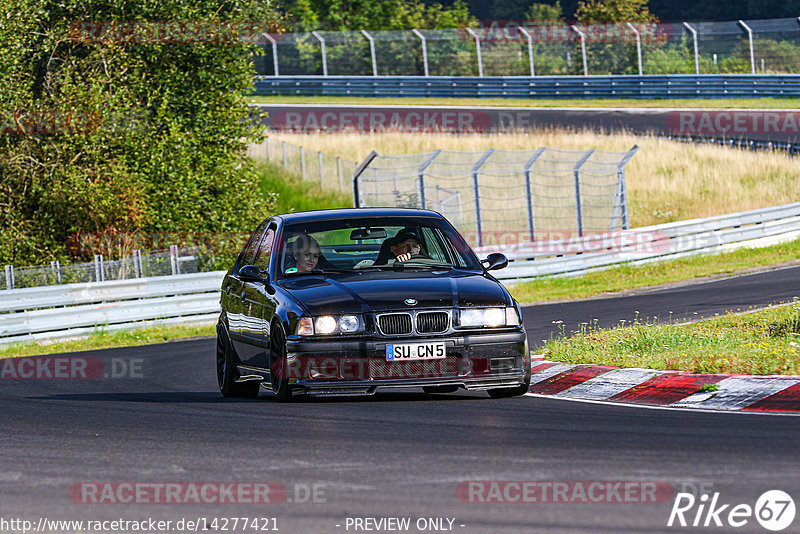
x=294, y=194
x=727, y=103
x=629, y=277
x=765, y=342
x=108, y=340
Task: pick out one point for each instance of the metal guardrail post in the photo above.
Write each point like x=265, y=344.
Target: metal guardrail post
x=477, y=193
x=9, y=277
x=578, y=204
x=583, y=49
x=319, y=153
x=529, y=190
x=696, y=55
x=137, y=263
x=621, y=198
x=477, y=49
x=638, y=46
x=424, y=51
x=529, y=37
x=274, y=52
x=421, y=177
x=55, y=267
x=302, y=163
x=173, y=259
x=371, y=52
x=324, y=53
x=357, y=173
x=99, y=275
x=750, y=40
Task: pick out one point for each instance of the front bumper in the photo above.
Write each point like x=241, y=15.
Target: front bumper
x=358, y=366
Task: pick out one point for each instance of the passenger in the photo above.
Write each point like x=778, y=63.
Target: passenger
x=305, y=251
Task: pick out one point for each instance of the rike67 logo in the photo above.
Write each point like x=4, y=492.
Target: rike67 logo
x=774, y=510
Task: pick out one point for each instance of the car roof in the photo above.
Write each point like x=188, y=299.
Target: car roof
x=355, y=213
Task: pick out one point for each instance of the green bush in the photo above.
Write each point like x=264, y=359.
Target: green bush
x=134, y=137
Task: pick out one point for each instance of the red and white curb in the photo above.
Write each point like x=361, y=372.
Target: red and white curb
x=666, y=388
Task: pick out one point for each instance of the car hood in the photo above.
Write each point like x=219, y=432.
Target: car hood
x=366, y=292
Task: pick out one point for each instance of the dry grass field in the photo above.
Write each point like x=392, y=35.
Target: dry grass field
x=667, y=180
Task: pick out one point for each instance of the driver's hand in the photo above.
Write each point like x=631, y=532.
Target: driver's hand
x=404, y=257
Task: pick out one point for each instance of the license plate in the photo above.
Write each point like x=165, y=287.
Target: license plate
x=415, y=351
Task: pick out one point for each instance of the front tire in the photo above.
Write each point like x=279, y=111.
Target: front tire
x=278, y=368
x=227, y=373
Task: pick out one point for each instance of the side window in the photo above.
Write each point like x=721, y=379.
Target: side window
x=264, y=251
x=432, y=245
x=250, y=247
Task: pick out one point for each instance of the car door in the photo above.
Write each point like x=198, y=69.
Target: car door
x=260, y=304
x=244, y=323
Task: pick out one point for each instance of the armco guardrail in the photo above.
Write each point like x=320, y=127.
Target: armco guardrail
x=71, y=310
x=647, y=244
x=621, y=86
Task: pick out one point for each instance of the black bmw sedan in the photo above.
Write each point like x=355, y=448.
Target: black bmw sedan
x=342, y=302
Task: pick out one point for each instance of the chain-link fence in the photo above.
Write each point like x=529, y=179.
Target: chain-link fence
x=331, y=172
x=504, y=195
x=528, y=49
x=174, y=260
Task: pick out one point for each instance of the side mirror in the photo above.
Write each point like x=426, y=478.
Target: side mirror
x=495, y=261
x=251, y=273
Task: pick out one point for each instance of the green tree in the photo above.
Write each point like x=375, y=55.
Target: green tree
x=115, y=137
x=545, y=13
x=605, y=11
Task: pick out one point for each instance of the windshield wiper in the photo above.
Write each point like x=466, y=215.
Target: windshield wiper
x=411, y=264
x=319, y=271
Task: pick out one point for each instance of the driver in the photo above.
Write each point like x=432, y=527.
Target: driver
x=405, y=246
x=305, y=251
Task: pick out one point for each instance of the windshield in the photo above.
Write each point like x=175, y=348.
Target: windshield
x=372, y=244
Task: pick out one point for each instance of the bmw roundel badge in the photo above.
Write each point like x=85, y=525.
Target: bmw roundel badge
x=411, y=302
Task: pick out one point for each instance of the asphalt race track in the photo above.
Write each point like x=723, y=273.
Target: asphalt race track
x=401, y=455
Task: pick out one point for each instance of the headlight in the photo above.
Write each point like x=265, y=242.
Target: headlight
x=325, y=325
x=491, y=317
x=329, y=324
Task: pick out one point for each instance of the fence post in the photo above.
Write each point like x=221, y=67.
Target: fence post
x=173, y=259
x=583, y=49
x=638, y=46
x=324, y=53
x=371, y=52
x=319, y=153
x=421, y=176
x=339, y=170
x=9, y=277
x=137, y=263
x=621, y=199
x=696, y=56
x=99, y=275
x=274, y=52
x=750, y=40
x=268, y=154
x=283, y=146
x=424, y=50
x=477, y=49
x=578, y=204
x=302, y=163
x=529, y=190
x=55, y=266
x=357, y=173
x=529, y=37
x=477, y=193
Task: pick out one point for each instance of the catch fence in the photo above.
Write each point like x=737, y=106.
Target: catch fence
x=521, y=195
x=519, y=48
